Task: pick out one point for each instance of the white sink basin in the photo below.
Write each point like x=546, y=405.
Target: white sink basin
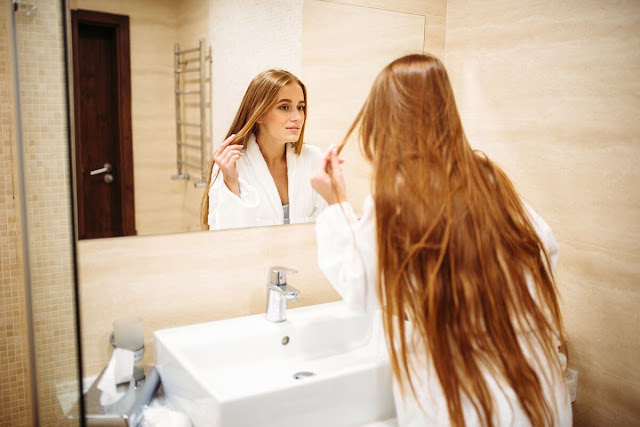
x=238, y=372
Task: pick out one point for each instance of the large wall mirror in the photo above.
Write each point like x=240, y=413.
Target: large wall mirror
x=157, y=85
x=336, y=48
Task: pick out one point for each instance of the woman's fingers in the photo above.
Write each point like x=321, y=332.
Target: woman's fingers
x=324, y=170
x=327, y=154
x=228, y=148
x=331, y=162
x=233, y=147
x=223, y=157
x=224, y=144
x=328, y=173
x=335, y=161
x=323, y=163
x=327, y=158
x=232, y=161
x=226, y=157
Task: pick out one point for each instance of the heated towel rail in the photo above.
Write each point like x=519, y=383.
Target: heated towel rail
x=191, y=150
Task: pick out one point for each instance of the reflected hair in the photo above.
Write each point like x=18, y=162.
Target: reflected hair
x=260, y=96
x=458, y=258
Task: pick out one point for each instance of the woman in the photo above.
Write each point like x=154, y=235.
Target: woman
x=461, y=266
x=260, y=174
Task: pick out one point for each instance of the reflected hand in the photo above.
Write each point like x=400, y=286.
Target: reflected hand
x=226, y=157
x=330, y=167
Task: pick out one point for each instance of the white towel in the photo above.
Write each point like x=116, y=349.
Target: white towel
x=119, y=370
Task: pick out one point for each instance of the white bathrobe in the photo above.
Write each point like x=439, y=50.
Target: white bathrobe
x=259, y=202
x=351, y=267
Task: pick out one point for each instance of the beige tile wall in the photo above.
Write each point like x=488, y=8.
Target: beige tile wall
x=48, y=200
x=15, y=390
x=197, y=277
x=550, y=90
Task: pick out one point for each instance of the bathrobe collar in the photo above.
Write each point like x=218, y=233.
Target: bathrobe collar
x=259, y=165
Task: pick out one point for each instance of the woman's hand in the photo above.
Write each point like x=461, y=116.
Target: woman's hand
x=330, y=167
x=226, y=157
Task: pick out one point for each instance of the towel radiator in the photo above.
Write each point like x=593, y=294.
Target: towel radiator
x=192, y=163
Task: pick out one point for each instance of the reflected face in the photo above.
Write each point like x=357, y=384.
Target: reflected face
x=284, y=121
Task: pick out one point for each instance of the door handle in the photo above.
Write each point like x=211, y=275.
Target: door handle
x=107, y=168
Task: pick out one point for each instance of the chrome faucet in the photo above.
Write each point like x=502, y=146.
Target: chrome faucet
x=278, y=293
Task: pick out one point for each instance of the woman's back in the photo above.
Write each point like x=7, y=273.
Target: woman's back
x=351, y=265
x=429, y=405
x=457, y=255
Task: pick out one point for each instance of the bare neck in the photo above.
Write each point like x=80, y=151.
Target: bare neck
x=273, y=151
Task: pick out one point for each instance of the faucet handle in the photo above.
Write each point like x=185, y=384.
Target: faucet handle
x=278, y=275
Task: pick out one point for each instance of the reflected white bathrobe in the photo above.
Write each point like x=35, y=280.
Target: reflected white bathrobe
x=259, y=202
x=351, y=267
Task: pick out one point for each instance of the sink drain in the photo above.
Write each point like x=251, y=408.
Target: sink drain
x=303, y=374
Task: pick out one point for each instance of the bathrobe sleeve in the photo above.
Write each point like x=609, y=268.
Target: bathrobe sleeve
x=319, y=205
x=546, y=235
x=347, y=253
x=551, y=246
x=226, y=210
x=306, y=203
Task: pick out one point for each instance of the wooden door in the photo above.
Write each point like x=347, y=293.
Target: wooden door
x=102, y=106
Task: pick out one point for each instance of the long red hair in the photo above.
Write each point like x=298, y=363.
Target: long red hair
x=455, y=250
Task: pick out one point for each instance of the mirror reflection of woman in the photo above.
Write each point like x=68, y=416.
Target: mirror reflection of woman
x=260, y=174
x=462, y=267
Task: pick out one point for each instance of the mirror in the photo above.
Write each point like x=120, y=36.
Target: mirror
x=137, y=87
x=335, y=48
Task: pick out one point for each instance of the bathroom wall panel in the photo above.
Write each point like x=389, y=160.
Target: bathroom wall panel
x=435, y=35
x=582, y=178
